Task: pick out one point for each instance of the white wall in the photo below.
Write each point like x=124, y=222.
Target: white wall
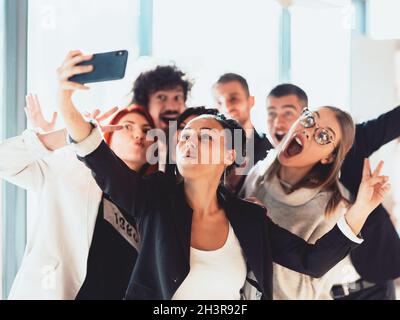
x=208, y=38
x=383, y=19
x=56, y=27
x=373, y=83
x=375, y=86
x=321, y=43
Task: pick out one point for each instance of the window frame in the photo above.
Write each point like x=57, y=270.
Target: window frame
x=13, y=123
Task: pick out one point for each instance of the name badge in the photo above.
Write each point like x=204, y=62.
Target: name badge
x=128, y=231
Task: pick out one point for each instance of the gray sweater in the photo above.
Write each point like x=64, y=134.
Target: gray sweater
x=302, y=212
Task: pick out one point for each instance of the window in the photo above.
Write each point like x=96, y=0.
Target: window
x=208, y=38
x=13, y=59
x=383, y=19
x=2, y=16
x=321, y=50
x=56, y=27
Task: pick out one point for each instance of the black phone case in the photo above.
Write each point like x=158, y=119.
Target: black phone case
x=107, y=66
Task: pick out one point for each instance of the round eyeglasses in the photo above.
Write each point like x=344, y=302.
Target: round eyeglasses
x=322, y=136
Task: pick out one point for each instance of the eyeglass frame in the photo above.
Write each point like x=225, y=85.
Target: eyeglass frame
x=310, y=113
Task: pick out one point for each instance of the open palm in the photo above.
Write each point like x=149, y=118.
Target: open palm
x=35, y=115
x=98, y=117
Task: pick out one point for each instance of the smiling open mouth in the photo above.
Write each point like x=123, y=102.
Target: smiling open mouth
x=294, y=148
x=168, y=117
x=279, y=137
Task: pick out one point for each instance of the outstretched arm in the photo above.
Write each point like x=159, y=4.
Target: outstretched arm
x=77, y=127
x=370, y=137
x=373, y=134
x=124, y=186
x=316, y=259
x=57, y=139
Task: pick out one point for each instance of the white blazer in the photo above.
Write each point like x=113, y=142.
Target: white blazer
x=55, y=259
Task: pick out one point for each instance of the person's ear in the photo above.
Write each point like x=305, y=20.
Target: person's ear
x=251, y=101
x=328, y=160
x=230, y=157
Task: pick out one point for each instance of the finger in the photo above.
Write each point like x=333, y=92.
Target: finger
x=383, y=190
x=378, y=169
x=54, y=118
x=72, y=54
x=107, y=114
x=111, y=128
x=29, y=102
x=366, y=169
x=94, y=114
x=386, y=188
x=76, y=60
x=36, y=102
x=69, y=72
x=376, y=180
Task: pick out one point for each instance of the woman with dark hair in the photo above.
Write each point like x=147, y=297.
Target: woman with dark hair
x=184, y=118
x=80, y=244
x=198, y=241
x=191, y=113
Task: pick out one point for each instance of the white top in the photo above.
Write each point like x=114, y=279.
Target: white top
x=67, y=201
x=215, y=275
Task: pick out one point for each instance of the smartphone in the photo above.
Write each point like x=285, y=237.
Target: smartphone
x=106, y=67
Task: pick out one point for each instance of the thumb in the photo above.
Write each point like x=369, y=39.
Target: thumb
x=111, y=128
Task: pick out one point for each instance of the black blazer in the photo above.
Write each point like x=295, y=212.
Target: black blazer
x=164, y=219
x=378, y=258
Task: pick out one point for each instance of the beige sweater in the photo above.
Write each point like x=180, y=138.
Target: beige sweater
x=302, y=212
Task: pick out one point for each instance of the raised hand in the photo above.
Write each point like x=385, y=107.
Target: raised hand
x=373, y=187
x=371, y=193
x=35, y=116
x=78, y=128
x=99, y=118
x=69, y=68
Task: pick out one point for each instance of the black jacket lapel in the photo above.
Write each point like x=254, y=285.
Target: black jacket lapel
x=183, y=220
x=250, y=232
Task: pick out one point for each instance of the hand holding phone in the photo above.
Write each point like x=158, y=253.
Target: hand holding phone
x=106, y=67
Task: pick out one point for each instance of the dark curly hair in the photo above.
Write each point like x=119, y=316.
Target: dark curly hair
x=161, y=78
x=194, y=111
x=236, y=131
